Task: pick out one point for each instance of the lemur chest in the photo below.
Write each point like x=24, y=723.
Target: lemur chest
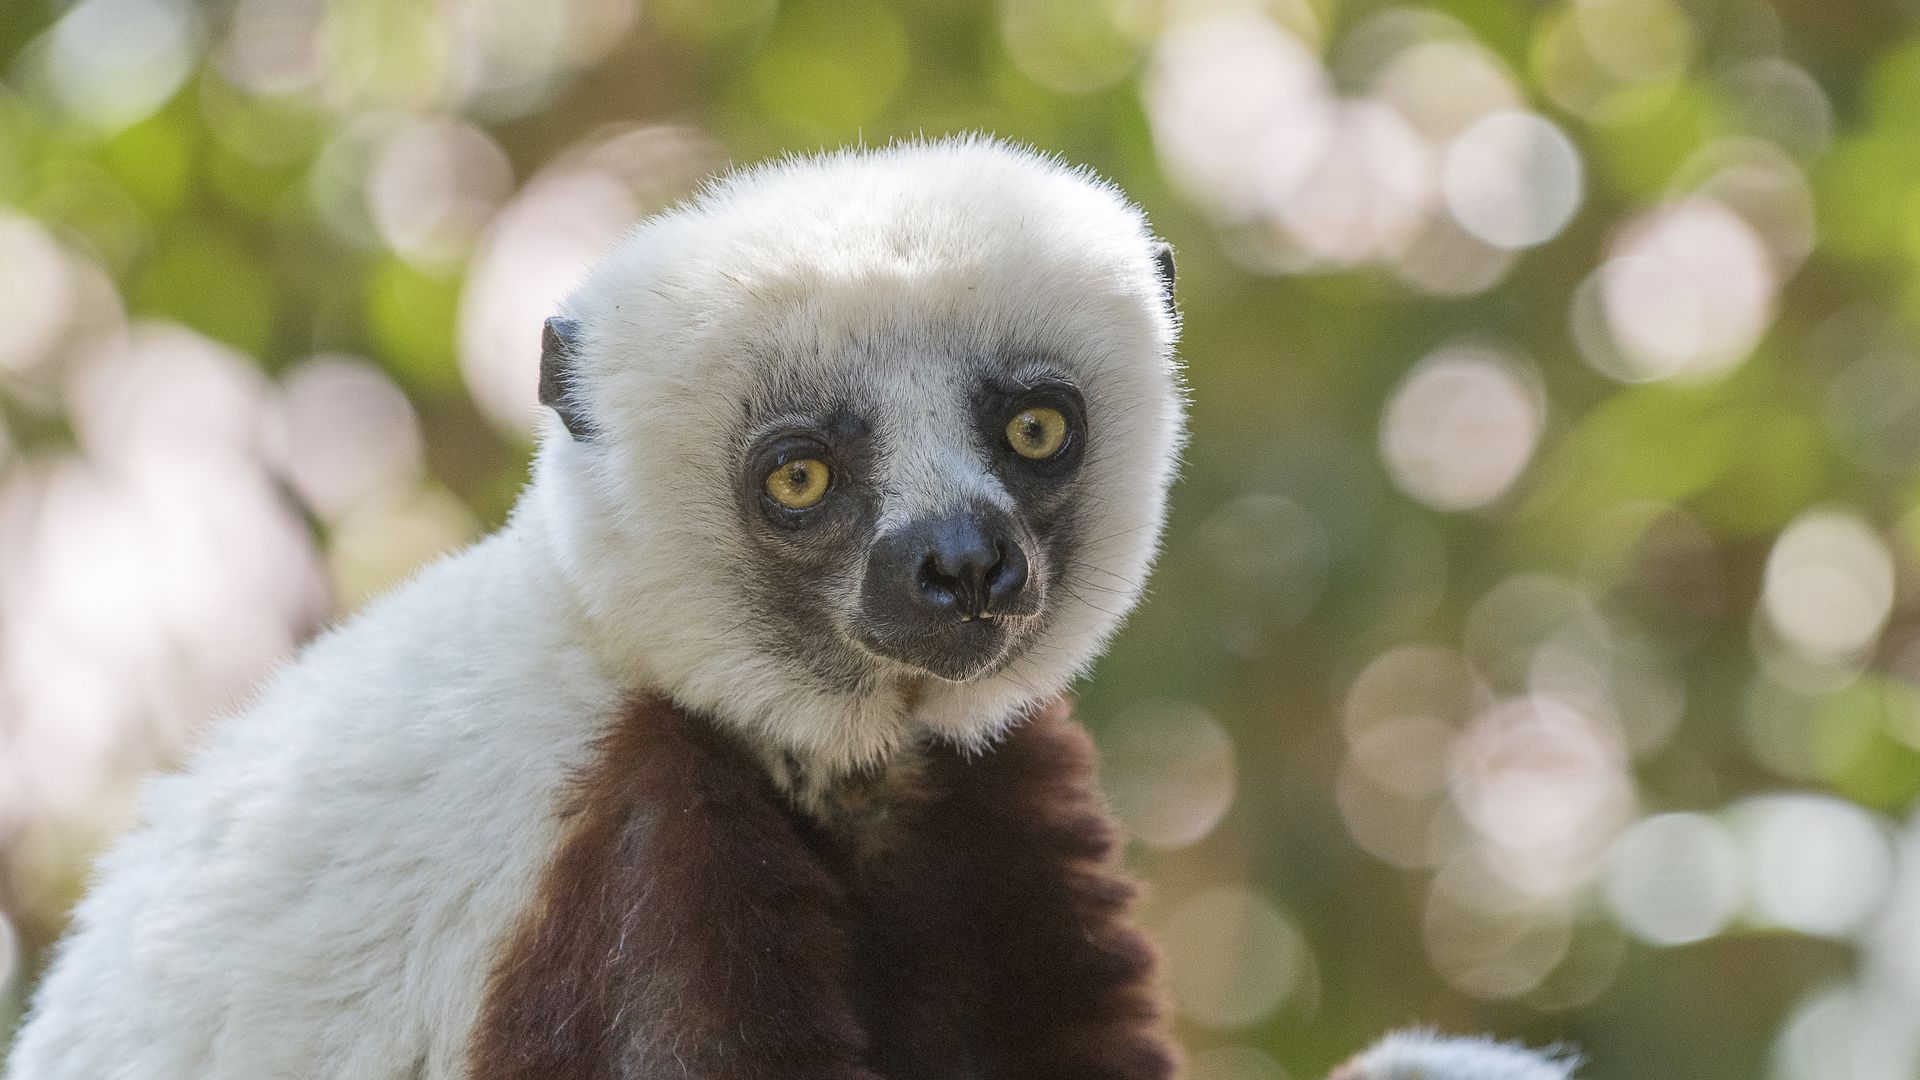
x=942, y=919
x=913, y=916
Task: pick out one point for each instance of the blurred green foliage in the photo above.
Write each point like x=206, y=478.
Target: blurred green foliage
x=216, y=166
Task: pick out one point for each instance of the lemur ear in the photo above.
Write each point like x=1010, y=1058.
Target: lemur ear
x=559, y=347
x=1163, y=261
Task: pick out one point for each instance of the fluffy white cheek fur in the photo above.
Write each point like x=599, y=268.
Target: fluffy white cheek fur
x=655, y=559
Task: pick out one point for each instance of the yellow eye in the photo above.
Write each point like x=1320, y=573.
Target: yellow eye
x=1037, y=433
x=797, y=485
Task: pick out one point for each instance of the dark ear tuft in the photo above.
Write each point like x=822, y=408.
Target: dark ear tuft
x=1163, y=261
x=559, y=346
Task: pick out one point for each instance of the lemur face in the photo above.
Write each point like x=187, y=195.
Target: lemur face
x=881, y=427
x=945, y=485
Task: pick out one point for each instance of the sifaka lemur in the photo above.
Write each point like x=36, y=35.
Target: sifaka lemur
x=740, y=751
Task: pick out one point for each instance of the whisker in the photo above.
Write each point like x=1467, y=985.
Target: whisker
x=1103, y=570
x=1121, y=533
x=1068, y=589
x=1097, y=587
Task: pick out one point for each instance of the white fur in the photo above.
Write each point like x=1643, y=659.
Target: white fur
x=1423, y=1055
x=320, y=893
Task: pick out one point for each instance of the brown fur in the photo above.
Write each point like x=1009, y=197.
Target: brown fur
x=682, y=929
x=960, y=920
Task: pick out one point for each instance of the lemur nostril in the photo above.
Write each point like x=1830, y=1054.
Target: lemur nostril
x=1007, y=578
x=966, y=565
x=937, y=591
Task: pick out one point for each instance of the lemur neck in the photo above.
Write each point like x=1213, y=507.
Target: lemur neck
x=843, y=796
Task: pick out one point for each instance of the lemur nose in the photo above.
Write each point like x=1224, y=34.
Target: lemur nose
x=969, y=564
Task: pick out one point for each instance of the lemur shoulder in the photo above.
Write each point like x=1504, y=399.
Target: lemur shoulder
x=740, y=751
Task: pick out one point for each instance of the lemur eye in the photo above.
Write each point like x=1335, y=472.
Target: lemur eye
x=797, y=485
x=1037, y=433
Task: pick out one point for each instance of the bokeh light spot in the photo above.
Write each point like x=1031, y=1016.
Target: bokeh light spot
x=1773, y=99
x=1819, y=865
x=535, y=251
x=274, y=46
x=1829, y=585
x=1168, y=770
x=1839, y=1032
x=1076, y=46
x=1443, y=87
x=351, y=434
x=1488, y=939
x=1687, y=292
x=1461, y=428
x=1675, y=878
x=434, y=186
x=1512, y=179
x=1636, y=40
x=1400, y=830
x=37, y=292
x=1233, y=958
x=1241, y=111
x=1545, y=783
x=113, y=62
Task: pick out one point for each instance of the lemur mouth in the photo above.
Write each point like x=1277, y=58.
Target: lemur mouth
x=958, y=651
x=1005, y=618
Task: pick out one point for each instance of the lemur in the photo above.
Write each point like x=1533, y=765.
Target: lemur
x=740, y=751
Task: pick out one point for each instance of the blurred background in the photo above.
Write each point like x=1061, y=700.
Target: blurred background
x=1537, y=642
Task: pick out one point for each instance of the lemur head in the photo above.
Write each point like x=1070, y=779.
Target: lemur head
x=857, y=447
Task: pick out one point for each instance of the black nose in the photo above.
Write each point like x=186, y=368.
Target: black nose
x=933, y=586
x=967, y=564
